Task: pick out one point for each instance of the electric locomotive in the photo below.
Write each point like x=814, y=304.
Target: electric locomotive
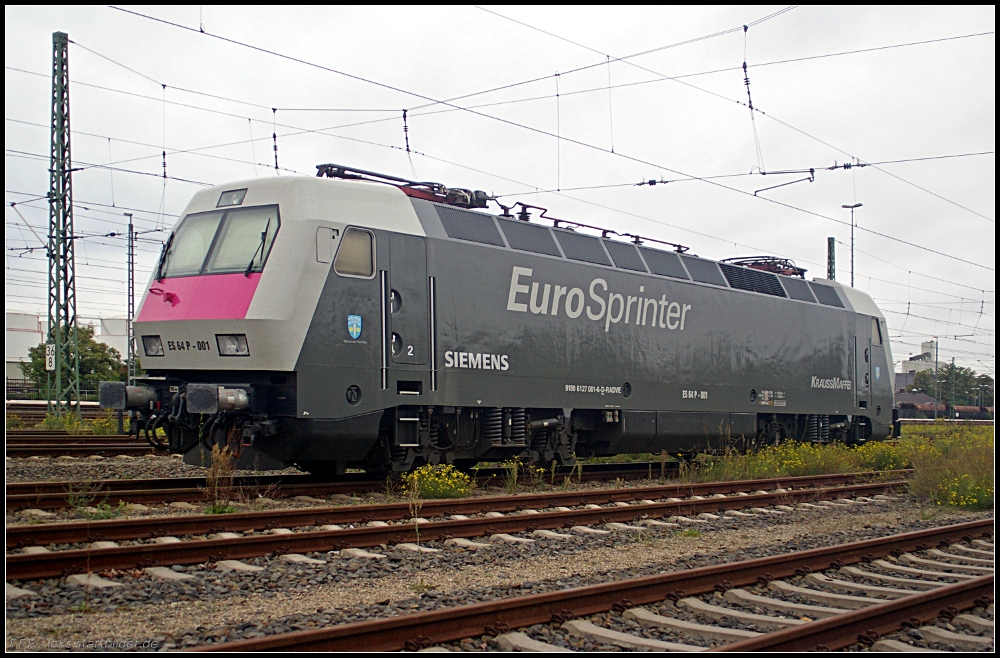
x=361, y=320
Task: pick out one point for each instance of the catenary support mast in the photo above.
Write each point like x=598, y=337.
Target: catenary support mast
x=64, y=375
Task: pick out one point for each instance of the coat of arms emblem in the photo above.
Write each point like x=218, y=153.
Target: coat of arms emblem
x=354, y=326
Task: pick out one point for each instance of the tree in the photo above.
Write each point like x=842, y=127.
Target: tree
x=98, y=362
x=970, y=388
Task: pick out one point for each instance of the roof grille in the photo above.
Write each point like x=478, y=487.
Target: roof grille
x=753, y=280
x=471, y=226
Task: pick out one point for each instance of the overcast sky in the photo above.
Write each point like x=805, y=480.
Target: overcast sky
x=925, y=246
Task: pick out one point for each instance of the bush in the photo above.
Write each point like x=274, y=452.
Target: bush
x=953, y=465
x=70, y=423
x=107, y=424
x=441, y=481
x=14, y=422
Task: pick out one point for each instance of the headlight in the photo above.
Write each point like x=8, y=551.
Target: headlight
x=232, y=344
x=152, y=345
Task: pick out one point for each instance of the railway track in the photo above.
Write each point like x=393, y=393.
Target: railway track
x=822, y=599
x=323, y=530
x=32, y=412
x=60, y=494
x=51, y=443
x=205, y=524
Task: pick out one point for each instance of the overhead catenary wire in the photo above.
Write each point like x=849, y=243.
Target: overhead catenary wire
x=607, y=57
x=534, y=129
x=784, y=123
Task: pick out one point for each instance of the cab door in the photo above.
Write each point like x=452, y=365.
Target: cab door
x=863, y=365
x=408, y=300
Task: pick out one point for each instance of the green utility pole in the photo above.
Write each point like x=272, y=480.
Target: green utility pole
x=64, y=367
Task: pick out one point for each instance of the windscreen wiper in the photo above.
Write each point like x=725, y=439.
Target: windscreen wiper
x=260, y=248
x=163, y=257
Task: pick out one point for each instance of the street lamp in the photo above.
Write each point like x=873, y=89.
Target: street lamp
x=851, y=208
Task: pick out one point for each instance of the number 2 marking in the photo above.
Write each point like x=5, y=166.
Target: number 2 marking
x=409, y=350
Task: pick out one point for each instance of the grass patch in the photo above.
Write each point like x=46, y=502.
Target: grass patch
x=793, y=459
x=219, y=478
x=690, y=533
x=107, y=424
x=441, y=481
x=953, y=465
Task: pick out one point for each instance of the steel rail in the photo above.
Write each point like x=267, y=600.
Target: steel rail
x=421, y=629
x=485, y=474
x=103, y=450
x=72, y=439
x=195, y=489
x=55, y=495
x=43, y=565
x=138, y=528
x=62, y=487
x=868, y=624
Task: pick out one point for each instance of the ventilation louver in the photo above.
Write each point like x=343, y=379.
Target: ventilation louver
x=471, y=226
x=745, y=278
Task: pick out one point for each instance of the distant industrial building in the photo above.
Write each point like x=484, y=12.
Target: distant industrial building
x=909, y=368
x=23, y=331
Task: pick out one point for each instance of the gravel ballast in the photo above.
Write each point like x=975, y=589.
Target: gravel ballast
x=288, y=596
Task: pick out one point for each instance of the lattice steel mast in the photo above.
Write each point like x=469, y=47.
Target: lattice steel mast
x=64, y=378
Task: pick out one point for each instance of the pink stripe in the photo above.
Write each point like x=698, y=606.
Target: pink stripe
x=207, y=297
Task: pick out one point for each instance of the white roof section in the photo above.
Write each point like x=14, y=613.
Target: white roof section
x=304, y=198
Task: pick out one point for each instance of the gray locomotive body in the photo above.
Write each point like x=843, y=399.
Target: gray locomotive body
x=391, y=330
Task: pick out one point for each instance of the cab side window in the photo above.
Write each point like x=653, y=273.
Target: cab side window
x=356, y=256
x=876, y=332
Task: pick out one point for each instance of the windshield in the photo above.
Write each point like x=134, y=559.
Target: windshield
x=221, y=242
